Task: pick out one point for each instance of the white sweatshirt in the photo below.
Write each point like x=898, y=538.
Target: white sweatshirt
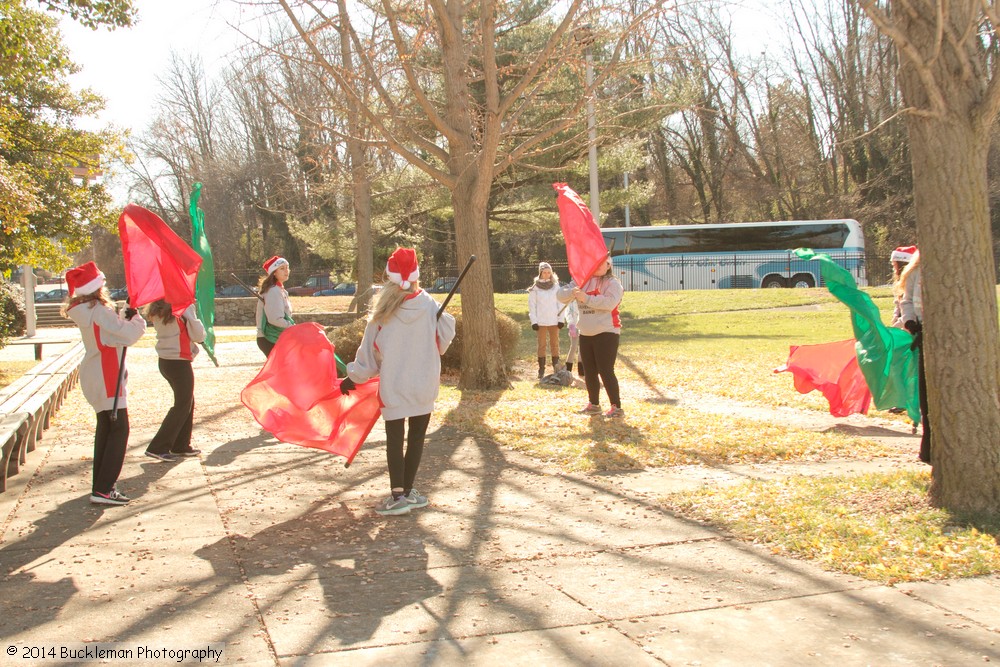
x=104, y=333
x=405, y=353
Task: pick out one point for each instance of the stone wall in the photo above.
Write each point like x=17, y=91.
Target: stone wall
x=240, y=312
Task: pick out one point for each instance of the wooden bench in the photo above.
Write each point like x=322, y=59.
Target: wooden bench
x=38, y=342
x=28, y=403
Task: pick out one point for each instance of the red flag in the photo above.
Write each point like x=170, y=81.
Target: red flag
x=833, y=369
x=158, y=263
x=585, y=248
x=296, y=396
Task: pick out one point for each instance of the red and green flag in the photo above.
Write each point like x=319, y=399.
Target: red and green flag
x=884, y=353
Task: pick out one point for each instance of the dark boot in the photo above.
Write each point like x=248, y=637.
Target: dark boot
x=555, y=364
x=541, y=367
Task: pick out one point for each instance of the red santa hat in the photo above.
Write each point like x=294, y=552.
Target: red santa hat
x=903, y=253
x=402, y=267
x=84, y=279
x=275, y=263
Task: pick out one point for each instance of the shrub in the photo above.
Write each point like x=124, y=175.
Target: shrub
x=12, y=313
x=347, y=340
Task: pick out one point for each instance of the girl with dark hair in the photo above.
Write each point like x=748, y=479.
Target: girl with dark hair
x=176, y=347
x=274, y=310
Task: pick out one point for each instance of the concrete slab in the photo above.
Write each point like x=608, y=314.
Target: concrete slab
x=873, y=626
x=358, y=608
x=115, y=592
x=592, y=645
x=682, y=577
x=977, y=600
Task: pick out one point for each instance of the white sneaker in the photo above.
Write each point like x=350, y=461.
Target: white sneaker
x=393, y=506
x=415, y=499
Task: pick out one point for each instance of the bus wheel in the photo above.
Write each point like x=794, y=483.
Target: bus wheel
x=802, y=280
x=772, y=282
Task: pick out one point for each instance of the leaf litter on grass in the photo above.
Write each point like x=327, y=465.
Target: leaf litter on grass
x=877, y=526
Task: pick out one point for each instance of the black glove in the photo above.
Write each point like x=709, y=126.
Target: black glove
x=912, y=326
x=130, y=313
x=562, y=324
x=535, y=327
x=347, y=386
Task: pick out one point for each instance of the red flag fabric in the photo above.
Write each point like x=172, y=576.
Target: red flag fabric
x=158, y=263
x=585, y=247
x=296, y=396
x=831, y=368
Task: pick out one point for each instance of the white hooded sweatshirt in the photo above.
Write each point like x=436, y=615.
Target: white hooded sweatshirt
x=405, y=353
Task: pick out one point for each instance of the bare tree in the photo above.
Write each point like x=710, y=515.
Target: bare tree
x=450, y=103
x=950, y=84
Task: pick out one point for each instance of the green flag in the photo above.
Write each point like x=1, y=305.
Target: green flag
x=884, y=354
x=205, y=287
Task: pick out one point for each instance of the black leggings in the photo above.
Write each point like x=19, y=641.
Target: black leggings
x=174, y=434
x=110, y=442
x=403, y=469
x=598, y=354
x=925, y=424
x=265, y=346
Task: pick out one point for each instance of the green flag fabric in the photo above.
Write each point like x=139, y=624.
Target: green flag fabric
x=884, y=354
x=205, y=287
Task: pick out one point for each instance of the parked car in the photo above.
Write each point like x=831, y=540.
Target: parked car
x=342, y=289
x=442, y=285
x=119, y=294
x=52, y=296
x=312, y=285
x=230, y=291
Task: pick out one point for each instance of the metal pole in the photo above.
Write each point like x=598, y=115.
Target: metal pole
x=28, y=282
x=627, y=222
x=595, y=199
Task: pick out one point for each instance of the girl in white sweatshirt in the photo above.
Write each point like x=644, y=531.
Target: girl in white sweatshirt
x=402, y=345
x=546, y=315
x=104, y=333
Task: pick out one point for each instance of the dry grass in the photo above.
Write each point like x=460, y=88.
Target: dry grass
x=880, y=527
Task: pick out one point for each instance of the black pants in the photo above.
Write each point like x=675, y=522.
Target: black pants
x=403, y=469
x=175, y=431
x=925, y=423
x=265, y=346
x=598, y=354
x=110, y=442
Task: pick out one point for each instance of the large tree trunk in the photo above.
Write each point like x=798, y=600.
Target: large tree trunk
x=949, y=137
x=962, y=341
x=482, y=362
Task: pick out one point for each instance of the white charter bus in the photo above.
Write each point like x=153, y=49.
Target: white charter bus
x=733, y=255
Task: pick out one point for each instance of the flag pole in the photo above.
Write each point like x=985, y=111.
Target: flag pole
x=246, y=287
x=121, y=379
x=454, y=288
x=118, y=387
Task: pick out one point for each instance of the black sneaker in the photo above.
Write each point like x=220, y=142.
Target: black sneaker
x=113, y=498
x=190, y=452
x=165, y=457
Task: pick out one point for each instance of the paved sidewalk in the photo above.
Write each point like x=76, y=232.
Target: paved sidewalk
x=274, y=550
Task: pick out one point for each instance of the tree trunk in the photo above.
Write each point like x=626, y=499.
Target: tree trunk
x=361, y=189
x=482, y=361
x=961, y=336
